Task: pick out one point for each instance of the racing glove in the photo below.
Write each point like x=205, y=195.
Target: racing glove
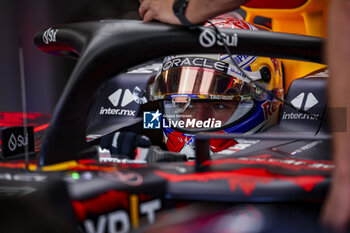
x=124, y=143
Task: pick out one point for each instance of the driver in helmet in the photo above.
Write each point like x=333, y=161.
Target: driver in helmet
x=208, y=93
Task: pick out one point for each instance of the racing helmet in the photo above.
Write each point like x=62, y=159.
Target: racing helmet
x=208, y=93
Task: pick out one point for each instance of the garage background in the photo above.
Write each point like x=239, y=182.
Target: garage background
x=45, y=74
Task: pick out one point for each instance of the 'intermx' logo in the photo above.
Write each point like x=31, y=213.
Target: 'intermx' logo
x=152, y=120
x=306, y=102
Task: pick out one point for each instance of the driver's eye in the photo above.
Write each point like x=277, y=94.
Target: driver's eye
x=189, y=109
x=218, y=106
x=190, y=106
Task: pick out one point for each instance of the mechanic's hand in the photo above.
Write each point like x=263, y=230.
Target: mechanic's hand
x=124, y=143
x=197, y=11
x=161, y=10
x=336, y=210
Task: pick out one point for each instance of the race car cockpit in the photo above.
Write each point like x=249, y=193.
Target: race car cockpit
x=125, y=104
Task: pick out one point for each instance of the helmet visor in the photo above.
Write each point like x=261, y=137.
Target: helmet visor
x=202, y=93
x=199, y=82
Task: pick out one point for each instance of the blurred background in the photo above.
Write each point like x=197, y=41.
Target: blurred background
x=45, y=74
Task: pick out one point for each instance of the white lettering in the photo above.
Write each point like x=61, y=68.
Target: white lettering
x=193, y=123
x=186, y=62
x=119, y=221
x=181, y=123
x=199, y=124
x=23, y=141
x=167, y=65
x=176, y=62
x=217, y=124
x=207, y=39
x=206, y=124
x=14, y=142
x=198, y=62
x=49, y=35
x=195, y=62
x=118, y=217
x=116, y=111
x=221, y=97
x=190, y=123
x=205, y=64
x=299, y=116
x=101, y=225
x=150, y=208
x=220, y=66
x=113, y=219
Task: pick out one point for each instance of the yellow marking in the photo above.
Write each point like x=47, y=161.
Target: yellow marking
x=134, y=211
x=60, y=166
x=32, y=167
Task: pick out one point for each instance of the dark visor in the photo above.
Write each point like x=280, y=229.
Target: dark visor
x=203, y=82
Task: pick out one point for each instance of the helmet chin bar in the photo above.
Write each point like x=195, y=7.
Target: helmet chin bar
x=104, y=48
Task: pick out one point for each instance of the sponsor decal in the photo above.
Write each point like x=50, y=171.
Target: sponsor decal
x=241, y=60
x=242, y=144
x=244, y=60
x=122, y=221
x=223, y=65
x=208, y=39
x=27, y=177
x=275, y=65
x=127, y=98
x=16, y=140
x=299, y=116
x=115, y=97
x=196, y=62
x=122, y=99
x=20, y=141
x=306, y=147
x=231, y=22
x=269, y=108
x=303, y=102
x=222, y=97
x=49, y=35
x=117, y=111
x=310, y=101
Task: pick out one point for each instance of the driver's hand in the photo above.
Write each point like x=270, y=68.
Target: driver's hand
x=124, y=143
